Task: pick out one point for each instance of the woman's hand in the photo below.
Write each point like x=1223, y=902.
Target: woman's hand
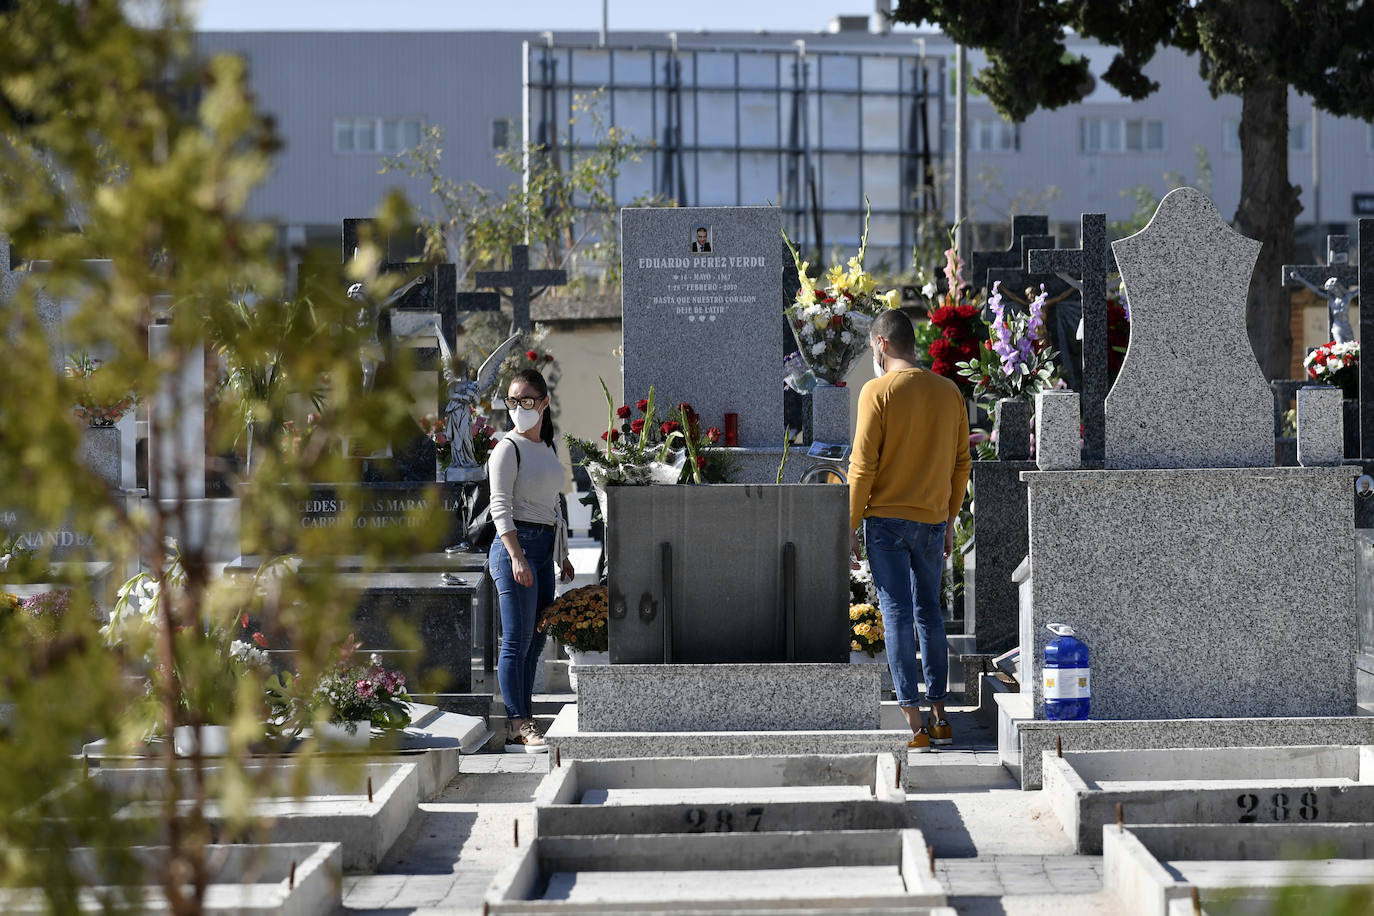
x=568, y=569
x=520, y=568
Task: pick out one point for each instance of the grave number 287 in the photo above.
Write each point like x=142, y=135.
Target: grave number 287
x=701, y=821
x=1280, y=808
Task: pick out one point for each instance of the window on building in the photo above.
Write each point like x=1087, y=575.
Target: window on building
x=993, y=135
x=500, y=133
x=1120, y=135
x=376, y=135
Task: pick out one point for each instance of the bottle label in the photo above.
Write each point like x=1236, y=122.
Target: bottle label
x=1066, y=683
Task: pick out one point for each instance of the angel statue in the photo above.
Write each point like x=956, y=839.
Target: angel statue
x=463, y=394
x=1337, y=297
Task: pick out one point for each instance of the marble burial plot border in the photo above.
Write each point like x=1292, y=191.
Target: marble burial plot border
x=365, y=807
x=1207, y=786
x=1037, y=735
x=707, y=794
x=566, y=739
x=820, y=865
x=250, y=881
x=1147, y=867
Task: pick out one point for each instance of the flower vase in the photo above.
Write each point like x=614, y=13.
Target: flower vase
x=581, y=657
x=1012, y=429
x=214, y=740
x=100, y=452
x=863, y=658
x=338, y=734
x=829, y=414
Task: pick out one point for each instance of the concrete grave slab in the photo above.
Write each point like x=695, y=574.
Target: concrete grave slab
x=567, y=739
x=285, y=879
x=1208, y=786
x=856, y=870
x=365, y=808
x=1154, y=870
x=1022, y=741
x=707, y=794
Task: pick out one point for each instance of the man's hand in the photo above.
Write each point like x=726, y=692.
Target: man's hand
x=854, y=550
x=949, y=538
x=567, y=570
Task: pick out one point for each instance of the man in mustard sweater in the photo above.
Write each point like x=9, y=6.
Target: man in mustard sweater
x=907, y=477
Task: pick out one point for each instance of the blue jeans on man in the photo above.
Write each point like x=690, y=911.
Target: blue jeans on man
x=521, y=644
x=907, y=562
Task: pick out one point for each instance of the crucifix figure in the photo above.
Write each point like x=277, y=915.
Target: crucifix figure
x=1064, y=311
x=521, y=282
x=1335, y=281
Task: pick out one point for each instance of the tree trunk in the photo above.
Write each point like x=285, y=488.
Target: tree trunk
x=1268, y=207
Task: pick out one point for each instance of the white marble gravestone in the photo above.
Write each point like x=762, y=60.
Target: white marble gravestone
x=1205, y=581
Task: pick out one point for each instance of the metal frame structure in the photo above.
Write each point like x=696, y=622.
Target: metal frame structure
x=684, y=94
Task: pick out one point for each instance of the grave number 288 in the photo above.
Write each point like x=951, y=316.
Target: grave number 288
x=1280, y=807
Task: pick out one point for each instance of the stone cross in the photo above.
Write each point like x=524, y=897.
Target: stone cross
x=1190, y=393
x=521, y=281
x=1366, y=245
x=1063, y=312
x=1090, y=262
x=1315, y=277
x=980, y=262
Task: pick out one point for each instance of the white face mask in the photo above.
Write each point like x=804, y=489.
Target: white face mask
x=877, y=366
x=525, y=418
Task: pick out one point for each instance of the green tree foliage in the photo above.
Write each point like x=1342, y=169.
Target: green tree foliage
x=567, y=213
x=117, y=142
x=1256, y=49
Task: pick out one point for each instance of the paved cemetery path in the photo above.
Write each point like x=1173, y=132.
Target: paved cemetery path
x=999, y=850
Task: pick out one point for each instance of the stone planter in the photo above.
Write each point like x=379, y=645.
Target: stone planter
x=578, y=658
x=1012, y=429
x=214, y=740
x=100, y=451
x=338, y=734
x=863, y=658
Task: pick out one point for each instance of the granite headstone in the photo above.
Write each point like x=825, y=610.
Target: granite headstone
x=702, y=326
x=1190, y=393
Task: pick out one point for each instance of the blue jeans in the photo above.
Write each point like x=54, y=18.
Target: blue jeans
x=521, y=644
x=907, y=560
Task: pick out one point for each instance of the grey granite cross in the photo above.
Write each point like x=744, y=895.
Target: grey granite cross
x=1064, y=311
x=1090, y=262
x=1315, y=276
x=521, y=281
x=980, y=262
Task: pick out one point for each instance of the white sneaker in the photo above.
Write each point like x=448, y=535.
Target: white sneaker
x=522, y=737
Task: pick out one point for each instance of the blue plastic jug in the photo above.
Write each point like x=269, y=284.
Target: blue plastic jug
x=1067, y=684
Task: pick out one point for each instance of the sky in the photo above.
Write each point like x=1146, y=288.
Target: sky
x=523, y=15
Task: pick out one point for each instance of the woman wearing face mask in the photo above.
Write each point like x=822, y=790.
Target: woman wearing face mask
x=526, y=478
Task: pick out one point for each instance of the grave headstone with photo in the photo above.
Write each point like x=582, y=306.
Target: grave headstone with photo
x=703, y=327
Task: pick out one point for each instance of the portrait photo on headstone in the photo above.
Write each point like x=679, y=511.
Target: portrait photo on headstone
x=1364, y=486
x=701, y=240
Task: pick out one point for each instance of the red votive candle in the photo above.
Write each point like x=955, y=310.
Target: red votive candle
x=732, y=429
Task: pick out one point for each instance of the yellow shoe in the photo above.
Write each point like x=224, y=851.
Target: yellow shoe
x=941, y=733
x=920, y=742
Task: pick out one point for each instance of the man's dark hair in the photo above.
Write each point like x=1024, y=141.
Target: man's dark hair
x=701, y=229
x=894, y=327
